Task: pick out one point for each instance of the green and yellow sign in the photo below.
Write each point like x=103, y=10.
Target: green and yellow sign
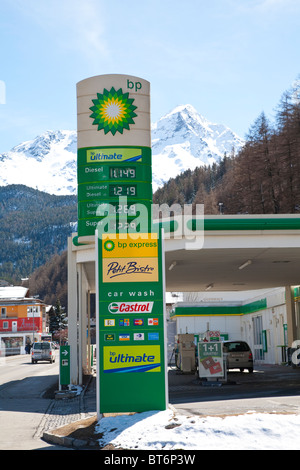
x=131, y=323
x=114, y=209
x=113, y=111
x=135, y=359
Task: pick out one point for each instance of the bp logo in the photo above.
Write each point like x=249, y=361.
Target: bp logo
x=109, y=245
x=113, y=111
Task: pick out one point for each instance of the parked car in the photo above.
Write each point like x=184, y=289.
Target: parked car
x=42, y=351
x=239, y=355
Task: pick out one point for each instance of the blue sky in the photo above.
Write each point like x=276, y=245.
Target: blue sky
x=230, y=59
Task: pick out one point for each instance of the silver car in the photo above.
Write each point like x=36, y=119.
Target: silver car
x=42, y=351
x=239, y=355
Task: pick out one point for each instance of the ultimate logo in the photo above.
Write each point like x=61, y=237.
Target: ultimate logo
x=113, y=111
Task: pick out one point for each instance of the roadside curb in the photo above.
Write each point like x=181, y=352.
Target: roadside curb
x=55, y=436
x=65, y=441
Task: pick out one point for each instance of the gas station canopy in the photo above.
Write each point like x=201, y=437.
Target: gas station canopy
x=238, y=253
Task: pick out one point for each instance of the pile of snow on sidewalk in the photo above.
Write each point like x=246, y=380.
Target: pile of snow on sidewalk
x=168, y=430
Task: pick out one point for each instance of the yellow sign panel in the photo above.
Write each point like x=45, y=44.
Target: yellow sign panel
x=131, y=359
x=130, y=269
x=141, y=245
x=113, y=155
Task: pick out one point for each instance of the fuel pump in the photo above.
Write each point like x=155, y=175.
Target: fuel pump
x=186, y=359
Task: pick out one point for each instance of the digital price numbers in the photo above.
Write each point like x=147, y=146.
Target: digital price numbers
x=128, y=190
x=122, y=172
x=118, y=209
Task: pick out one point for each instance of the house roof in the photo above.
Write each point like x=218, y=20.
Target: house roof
x=13, y=292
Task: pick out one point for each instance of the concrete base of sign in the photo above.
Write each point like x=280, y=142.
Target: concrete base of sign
x=63, y=394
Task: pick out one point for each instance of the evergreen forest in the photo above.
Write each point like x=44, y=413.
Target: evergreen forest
x=34, y=226
x=263, y=178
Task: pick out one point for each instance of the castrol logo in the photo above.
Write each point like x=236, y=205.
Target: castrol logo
x=130, y=307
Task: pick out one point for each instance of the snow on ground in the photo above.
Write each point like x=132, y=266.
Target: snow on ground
x=168, y=430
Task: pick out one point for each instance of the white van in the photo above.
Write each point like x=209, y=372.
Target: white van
x=42, y=351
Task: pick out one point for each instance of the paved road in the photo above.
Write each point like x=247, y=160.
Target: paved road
x=22, y=406
x=269, y=389
x=16, y=370
x=24, y=413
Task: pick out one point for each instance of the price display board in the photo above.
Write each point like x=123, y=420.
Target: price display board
x=104, y=172
x=108, y=175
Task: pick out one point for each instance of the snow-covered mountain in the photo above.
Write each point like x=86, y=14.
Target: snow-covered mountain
x=184, y=139
x=47, y=163
x=181, y=139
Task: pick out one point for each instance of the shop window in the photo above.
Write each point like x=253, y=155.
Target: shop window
x=33, y=311
x=12, y=345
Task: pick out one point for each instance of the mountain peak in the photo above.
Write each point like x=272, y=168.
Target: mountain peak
x=47, y=163
x=42, y=144
x=183, y=108
x=184, y=112
x=183, y=139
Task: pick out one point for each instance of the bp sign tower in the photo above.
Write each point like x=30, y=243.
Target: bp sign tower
x=114, y=153
x=114, y=211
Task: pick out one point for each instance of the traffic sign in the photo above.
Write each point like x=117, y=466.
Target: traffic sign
x=64, y=365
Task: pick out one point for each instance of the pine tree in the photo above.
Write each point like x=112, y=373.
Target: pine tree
x=58, y=320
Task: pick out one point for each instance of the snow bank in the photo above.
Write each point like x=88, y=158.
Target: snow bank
x=168, y=430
